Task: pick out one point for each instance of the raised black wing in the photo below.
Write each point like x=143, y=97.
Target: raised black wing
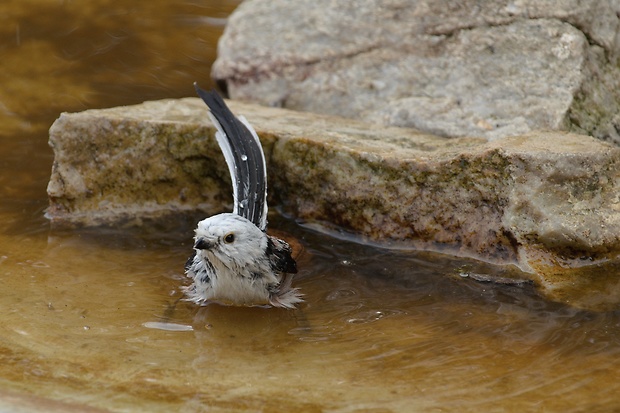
x=244, y=156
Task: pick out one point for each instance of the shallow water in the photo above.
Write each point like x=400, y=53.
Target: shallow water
x=92, y=317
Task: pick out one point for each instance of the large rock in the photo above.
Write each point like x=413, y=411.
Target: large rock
x=542, y=200
x=493, y=69
x=124, y=164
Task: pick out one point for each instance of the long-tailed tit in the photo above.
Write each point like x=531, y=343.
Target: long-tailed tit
x=235, y=261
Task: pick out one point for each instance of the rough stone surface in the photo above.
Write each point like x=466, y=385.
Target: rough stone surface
x=542, y=200
x=493, y=69
x=119, y=163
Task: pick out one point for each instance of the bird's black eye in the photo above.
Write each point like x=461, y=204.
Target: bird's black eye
x=229, y=238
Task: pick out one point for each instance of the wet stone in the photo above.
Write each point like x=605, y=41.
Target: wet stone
x=541, y=201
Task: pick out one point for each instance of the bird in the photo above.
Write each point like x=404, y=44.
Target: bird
x=234, y=260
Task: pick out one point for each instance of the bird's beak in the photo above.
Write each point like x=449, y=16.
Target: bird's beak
x=203, y=244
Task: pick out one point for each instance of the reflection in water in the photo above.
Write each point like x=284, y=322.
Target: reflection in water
x=95, y=316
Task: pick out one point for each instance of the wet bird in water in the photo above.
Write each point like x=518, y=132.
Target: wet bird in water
x=235, y=261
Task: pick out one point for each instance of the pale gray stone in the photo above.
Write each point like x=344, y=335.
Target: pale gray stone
x=491, y=69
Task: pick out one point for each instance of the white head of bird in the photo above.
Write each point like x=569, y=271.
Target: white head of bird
x=230, y=242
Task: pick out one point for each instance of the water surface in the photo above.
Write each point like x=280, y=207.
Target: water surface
x=93, y=317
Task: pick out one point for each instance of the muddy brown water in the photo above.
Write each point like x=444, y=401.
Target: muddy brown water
x=91, y=318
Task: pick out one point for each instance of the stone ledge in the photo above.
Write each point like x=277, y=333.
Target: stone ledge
x=543, y=199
